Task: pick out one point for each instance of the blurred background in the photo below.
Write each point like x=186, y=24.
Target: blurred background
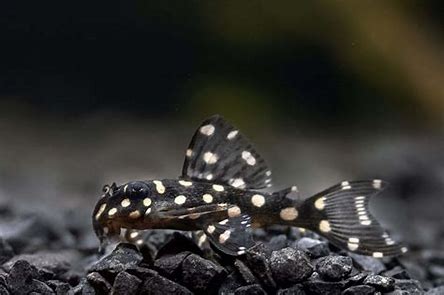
x=96, y=92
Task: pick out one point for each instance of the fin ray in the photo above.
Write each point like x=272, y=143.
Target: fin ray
x=232, y=235
x=221, y=154
x=343, y=216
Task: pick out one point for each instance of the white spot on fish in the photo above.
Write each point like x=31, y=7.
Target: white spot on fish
x=159, y=186
x=100, y=211
x=148, y=211
x=211, y=229
x=135, y=214
x=125, y=188
x=378, y=254
x=354, y=240
x=189, y=152
x=112, y=211
x=268, y=173
x=218, y=188
x=237, y=182
x=389, y=241
x=324, y=226
x=185, y=183
x=179, y=200
x=232, y=134
x=289, y=213
x=201, y=240
x=146, y=202
x=207, y=198
x=234, y=211
x=210, y=158
x=223, y=222
x=249, y=158
x=209, y=176
x=258, y=200
x=125, y=203
x=319, y=203
x=207, y=130
x=352, y=246
x=224, y=236
x=377, y=183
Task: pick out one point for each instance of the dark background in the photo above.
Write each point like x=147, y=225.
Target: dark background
x=101, y=91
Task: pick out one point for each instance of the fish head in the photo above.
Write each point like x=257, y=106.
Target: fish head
x=120, y=207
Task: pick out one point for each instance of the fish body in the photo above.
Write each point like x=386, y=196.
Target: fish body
x=221, y=193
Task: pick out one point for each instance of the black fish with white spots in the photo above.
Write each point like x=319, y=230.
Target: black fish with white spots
x=219, y=192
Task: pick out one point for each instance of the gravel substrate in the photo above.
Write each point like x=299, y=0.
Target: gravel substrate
x=43, y=257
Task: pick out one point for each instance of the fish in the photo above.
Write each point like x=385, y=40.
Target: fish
x=222, y=191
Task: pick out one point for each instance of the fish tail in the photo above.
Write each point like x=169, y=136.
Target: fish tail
x=341, y=214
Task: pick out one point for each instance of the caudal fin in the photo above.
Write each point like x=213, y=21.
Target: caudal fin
x=341, y=214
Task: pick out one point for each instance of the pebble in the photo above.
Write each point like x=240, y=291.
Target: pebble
x=436, y=271
x=124, y=256
x=257, y=260
x=397, y=272
x=295, y=290
x=84, y=288
x=230, y=284
x=125, y=283
x=314, y=248
x=159, y=285
x=435, y=291
x=334, y=268
x=359, y=290
x=368, y=263
x=380, y=282
x=290, y=266
x=21, y=277
x=277, y=242
x=56, y=263
x=201, y=275
x=31, y=233
x=322, y=287
x=356, y=279
x=3, y=290
x=250, y=290
x=245, y=272
x=169, y=265
x=99, y=283
x=6, y=251
x=59, y=287
x=178, y=243
x=410, y=286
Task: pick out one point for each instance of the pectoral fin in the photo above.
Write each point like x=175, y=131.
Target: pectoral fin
x=232, y=235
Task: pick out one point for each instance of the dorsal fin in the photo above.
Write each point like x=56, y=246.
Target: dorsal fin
x=221, y=154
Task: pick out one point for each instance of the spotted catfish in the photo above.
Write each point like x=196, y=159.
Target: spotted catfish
x=219, y=192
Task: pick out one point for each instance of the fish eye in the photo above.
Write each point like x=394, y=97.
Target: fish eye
x=137, y=188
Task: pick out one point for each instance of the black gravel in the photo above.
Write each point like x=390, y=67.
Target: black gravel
x=334, y=268
x=62, y=259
